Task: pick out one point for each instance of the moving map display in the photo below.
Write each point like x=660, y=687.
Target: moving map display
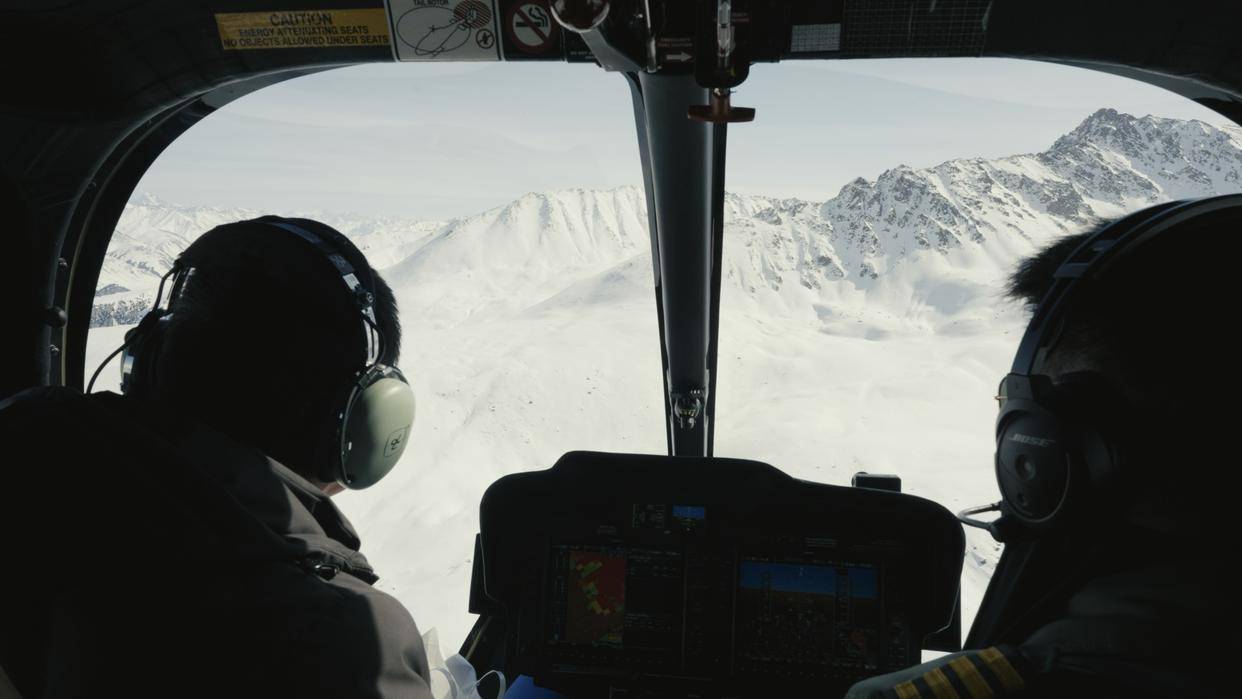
x=595, y=608
x=611, y=602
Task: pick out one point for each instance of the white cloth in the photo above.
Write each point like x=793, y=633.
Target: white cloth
x=454, y=677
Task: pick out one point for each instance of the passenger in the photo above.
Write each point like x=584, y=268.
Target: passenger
x=180, y=540
x=1132, y=595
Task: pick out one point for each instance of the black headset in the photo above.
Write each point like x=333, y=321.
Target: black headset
x=367, y=429
x=1063, y=449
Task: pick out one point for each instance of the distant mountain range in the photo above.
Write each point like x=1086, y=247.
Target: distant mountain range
x=975, y=215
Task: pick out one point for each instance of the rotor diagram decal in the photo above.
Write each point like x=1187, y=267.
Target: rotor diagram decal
x=444, y=29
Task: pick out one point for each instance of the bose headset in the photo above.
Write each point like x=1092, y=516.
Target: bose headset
x=1061, y=448
x=367, y=429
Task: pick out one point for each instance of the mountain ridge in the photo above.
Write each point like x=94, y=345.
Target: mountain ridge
x=969, y=212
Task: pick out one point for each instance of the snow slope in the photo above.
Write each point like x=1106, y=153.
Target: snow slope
x=863, y=332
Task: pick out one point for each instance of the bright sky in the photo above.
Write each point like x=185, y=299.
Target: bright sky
x=444, y=140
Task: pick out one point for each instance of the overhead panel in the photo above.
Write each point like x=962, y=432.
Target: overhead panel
x=886, y=28
x=525, y=30
x=480, y=30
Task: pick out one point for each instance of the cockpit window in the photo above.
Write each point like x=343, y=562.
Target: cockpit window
x=504, y=205
x=874, y=209
x=873, y=217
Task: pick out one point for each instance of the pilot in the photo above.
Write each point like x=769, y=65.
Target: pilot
x=1114, y=473
x=180, y=539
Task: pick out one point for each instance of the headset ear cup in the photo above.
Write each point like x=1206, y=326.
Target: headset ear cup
x=1039, y=468
x=1057, y=448
x=141, y=354
x=376, y=427
x=1035, y=473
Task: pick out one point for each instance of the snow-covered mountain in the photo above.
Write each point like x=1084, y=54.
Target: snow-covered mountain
x=151, y=233
x=848, y=326
x=975, y=214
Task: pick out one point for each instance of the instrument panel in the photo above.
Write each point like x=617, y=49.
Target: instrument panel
x=676, y=576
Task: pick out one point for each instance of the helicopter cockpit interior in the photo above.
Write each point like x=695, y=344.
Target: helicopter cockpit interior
x=606, y=575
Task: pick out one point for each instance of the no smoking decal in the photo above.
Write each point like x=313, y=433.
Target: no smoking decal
x=530, y=27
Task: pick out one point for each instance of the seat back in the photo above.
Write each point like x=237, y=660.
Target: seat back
x=7, y=690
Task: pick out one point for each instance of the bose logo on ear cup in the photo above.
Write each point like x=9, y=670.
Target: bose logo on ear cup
x=1033, y=441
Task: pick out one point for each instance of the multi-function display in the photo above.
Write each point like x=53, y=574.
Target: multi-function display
x=648, y=597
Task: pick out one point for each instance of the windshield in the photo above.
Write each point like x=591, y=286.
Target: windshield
x=874, y=209
x=874, y=216
x=504, y=206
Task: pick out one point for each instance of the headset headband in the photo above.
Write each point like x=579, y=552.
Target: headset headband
x=363, y=295
x=1091, y=262
x=334, y=251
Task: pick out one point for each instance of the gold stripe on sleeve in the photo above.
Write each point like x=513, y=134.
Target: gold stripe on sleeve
x=940, y=685
x=907, y=690
x=1003, y=669
x=969, y=675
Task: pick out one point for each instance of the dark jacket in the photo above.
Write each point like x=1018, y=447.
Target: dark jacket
x=1153, y=619
x=153, y=555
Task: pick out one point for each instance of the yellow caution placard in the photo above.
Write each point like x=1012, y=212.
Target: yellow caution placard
x=286, y=29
